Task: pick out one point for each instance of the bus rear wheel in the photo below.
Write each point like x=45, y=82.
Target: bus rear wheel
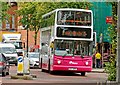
x=49, y=70
x=42, y=70
x=82, y=73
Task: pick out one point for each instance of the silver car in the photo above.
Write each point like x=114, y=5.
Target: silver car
x=4, y=65
x=34, y=59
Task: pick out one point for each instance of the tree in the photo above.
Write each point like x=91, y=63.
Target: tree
x=32, y=12
x=111, y=66
x=3, y=11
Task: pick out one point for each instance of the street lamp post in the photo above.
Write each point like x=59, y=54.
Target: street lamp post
x=27, y=42
x=26, y=26
x=118, y=45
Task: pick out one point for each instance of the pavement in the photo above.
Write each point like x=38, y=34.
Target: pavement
x=98, y=70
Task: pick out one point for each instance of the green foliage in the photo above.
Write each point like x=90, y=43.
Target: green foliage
x=54, y=5
x=32, y=12
x=113, y=35
x=111, y=70
x=111, y=66
x=3, y=11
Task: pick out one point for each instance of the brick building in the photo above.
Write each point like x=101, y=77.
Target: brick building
x=13, y=26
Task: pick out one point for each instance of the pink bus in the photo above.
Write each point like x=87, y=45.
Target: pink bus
x=66, y=40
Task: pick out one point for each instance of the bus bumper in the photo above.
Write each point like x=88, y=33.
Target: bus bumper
x=72, y=68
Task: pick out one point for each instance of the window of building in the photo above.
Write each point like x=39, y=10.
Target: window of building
x=7, y=24
x=13, y=21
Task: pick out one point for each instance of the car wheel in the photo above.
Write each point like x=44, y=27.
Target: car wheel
x=82, y=73
x=15, y=64
x=7, y=73
x=42, y=70
x=49, y=71
x=3, y=73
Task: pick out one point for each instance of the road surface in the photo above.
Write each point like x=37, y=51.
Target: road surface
x=44, y=77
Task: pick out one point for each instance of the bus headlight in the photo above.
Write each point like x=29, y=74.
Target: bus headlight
x=86, y=63
x=58, y=61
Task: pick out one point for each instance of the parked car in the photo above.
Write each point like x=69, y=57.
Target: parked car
x=4, y=65
x=9, y=51
x=34, y=59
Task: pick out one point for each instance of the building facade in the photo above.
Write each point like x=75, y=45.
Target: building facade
x=102, y=10
x=12, y=26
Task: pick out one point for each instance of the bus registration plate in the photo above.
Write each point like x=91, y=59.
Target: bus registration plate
x=72, y=69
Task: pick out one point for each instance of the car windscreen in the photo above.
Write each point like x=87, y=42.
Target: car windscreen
x=18, y=45
x=33, y=55
x=8, y=50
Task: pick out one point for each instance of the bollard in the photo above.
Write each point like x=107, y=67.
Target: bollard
x=26, y=66
x=20, y=65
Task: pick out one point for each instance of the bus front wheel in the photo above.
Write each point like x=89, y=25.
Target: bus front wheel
x=82, y=73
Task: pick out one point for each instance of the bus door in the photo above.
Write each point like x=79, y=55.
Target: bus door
x=44, y=55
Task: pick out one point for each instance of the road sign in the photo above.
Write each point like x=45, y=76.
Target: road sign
x=20, y=65
x=109, y=19
x=20, y=59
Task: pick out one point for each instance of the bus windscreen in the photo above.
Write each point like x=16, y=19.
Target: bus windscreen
x=79, y=18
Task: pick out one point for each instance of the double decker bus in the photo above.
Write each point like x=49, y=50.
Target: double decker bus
x=66, y=40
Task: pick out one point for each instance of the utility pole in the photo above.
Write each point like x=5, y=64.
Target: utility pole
x=118, y=44
x=26, y=26
x=27, y=41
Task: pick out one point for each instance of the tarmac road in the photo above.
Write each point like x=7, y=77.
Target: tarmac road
x=44, y=77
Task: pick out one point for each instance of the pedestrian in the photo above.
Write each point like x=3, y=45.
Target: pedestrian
x=93, y=58
x=98, y=58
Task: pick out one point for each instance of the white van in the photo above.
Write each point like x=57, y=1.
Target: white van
x=9, y=52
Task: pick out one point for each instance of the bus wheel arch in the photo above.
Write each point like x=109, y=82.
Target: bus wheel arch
x=49, y=71
x=82, y=73
x=42, y=70
x=49, y=67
